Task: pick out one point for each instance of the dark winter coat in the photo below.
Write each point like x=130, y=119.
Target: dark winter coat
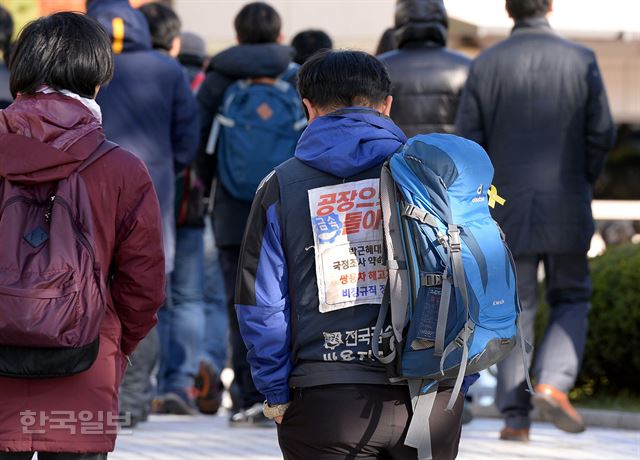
x=427, y=78
x=536, y=102
x=238, y=62
x=129, y=248
x=148, y=108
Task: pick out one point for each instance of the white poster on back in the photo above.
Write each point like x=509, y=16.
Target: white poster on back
x=347, y=230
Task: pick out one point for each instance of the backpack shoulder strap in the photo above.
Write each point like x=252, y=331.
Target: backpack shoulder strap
x=103, y=149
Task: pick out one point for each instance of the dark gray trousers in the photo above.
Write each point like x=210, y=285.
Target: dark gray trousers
x=558, y=357
x=136, y=390
x=364, y=422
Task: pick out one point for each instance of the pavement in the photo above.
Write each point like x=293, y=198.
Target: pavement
x=167, y=437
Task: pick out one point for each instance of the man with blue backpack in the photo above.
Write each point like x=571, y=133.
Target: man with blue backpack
x=251, y=119
x=373, y=283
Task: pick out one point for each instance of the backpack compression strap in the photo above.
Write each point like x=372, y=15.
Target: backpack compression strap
x=426, y=218
x=423, y=396
x=398, y=286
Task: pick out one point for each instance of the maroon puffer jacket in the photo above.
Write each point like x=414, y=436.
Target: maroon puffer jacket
x=76, y=414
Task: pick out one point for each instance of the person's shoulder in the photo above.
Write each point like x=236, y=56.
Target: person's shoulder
x=389, y=56
x=456, y=57
x=166, y=62
x=124, y=167
x=576, y=48
x=436, y=56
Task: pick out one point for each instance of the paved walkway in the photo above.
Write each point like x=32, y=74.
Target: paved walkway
x=209, y=438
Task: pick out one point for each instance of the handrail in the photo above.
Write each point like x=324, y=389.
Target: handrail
x=616, y=209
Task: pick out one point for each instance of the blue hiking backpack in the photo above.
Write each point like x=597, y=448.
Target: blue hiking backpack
x=257, y=128
x=452, y=293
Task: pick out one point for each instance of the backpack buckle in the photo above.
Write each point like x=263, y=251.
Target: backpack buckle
x=443, y=239
x=455, y=243
x=431, y=280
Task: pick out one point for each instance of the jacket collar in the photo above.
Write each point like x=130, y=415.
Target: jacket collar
x=530, y=24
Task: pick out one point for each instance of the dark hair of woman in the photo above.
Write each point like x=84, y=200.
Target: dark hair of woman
x=63, y=51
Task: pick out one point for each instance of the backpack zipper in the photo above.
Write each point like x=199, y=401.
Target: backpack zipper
x=76, y=227
x=24, y=199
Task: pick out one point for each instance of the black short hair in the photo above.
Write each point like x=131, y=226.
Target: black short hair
x=525, y=9
x=6, y=29
x=309, y=42
x=164, y=24
x=64, y=51
x=337, y=79
x=257, y=23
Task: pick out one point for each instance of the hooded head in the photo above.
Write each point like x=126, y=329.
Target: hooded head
x=126, y=26
x=421, y=21
x=347, y=97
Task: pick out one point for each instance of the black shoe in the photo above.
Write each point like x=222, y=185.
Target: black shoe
x=251, y=418
x=210, y=389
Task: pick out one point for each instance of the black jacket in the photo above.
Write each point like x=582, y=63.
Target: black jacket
x=238, y=62
x=427, y=79
x=537, y=103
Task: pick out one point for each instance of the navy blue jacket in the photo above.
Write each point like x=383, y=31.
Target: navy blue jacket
x=238, y=62
x=148, y=108
x=537, y=104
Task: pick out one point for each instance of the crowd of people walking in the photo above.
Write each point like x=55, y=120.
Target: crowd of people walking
x=174, y=227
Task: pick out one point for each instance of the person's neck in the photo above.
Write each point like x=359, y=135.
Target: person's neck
x=536, y=22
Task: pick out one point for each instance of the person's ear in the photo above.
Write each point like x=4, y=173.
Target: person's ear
x=312, y=111
x=280, y=39
x=550, y=10
x=385, y=109
x=175, y=47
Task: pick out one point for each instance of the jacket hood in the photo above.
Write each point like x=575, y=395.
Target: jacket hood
x=260, y=60
x=421, y=21
x=134, y=36
x=45, y=137
x=349, y=141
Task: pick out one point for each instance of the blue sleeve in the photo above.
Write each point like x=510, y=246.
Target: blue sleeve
x=262, y=297
x=185, y=126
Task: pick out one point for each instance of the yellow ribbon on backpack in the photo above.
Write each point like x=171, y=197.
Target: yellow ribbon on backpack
x=494, y=197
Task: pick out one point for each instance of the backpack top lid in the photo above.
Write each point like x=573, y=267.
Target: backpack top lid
x=446, y=175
